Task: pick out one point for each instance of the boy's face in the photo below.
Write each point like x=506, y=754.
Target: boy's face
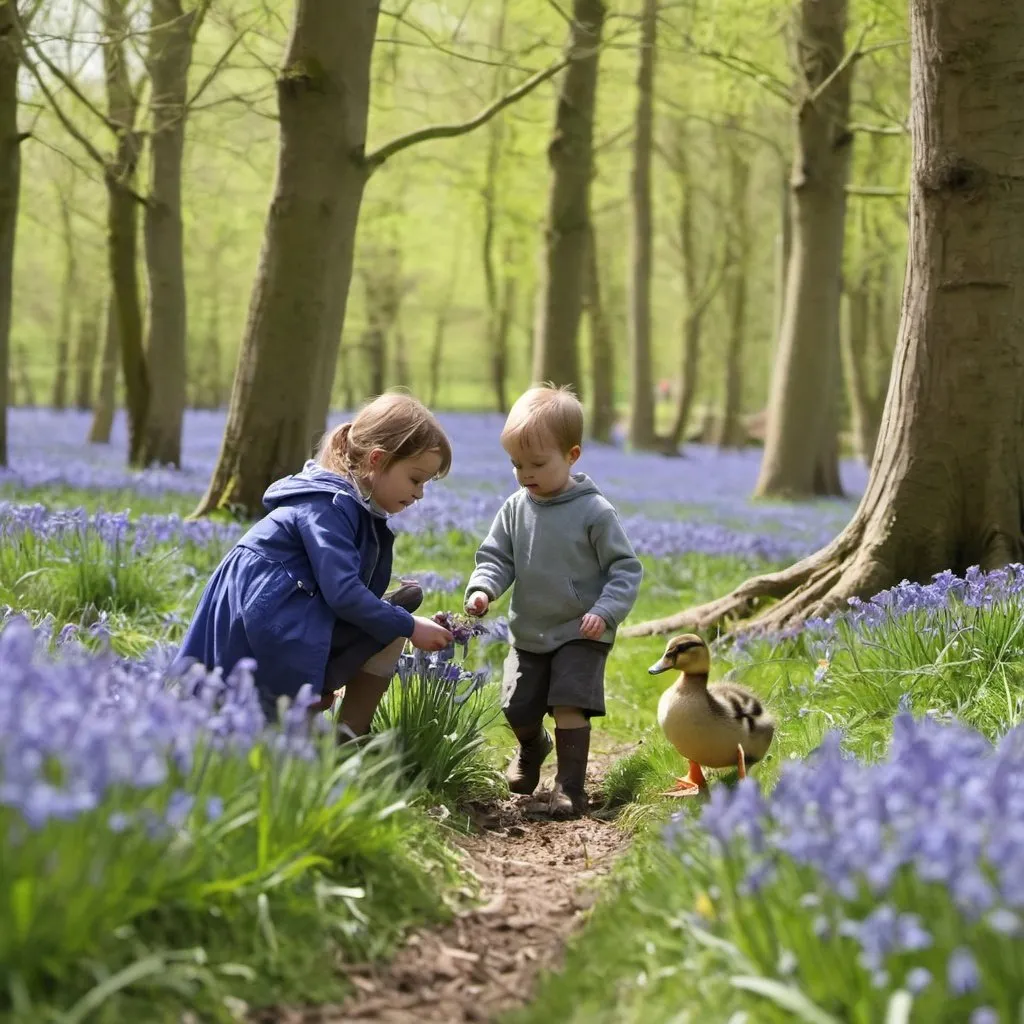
x=541, y=467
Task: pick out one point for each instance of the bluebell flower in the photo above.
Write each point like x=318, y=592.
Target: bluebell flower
x=962, y=972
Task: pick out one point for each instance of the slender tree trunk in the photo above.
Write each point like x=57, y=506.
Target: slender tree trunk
x=801, y=388
x=864, y=424
x=103, y=414
x=641, y=393
x=10, y=191
x=947, y=482
x=783, y=252
x=298, y=300
x=59, y=398
x=693, y=310
x=571, y=157
x=602, y=352
x=170, y=55
x=122, y=219
x=85, y=355
x=730, y=432
x=444, y=312
x=506, y=317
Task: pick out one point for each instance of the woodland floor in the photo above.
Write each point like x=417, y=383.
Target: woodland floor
x=535, y=889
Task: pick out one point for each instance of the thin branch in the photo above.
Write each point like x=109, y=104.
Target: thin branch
x=448, y=131
x=68, y=82
x=877, y=190
x=216, y=69
x=851, y=57
x=878, y=129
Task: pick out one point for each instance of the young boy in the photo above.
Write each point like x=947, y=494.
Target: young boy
x=576, y=578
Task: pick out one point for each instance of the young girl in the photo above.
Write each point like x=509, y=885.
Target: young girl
x=303, y=591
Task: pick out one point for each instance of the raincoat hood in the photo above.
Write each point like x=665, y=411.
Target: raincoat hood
x=314, y=479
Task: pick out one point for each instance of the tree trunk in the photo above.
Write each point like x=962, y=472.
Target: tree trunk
x=783, y=252
x=503, y=328
x=122, y=219
x=85, y=355
x=947, y=483
x=641, y=392
x=298, y=300
x=571, y=157
x=59, y=399
x=10, y=190
x=602, y=352
x=730, y=432
x=170, y=54
x=444, y=312
x=798, y=413
x=693, y=310
x=855, y=326
x=103, y=414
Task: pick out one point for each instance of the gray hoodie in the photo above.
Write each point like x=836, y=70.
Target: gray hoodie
x=568, y=555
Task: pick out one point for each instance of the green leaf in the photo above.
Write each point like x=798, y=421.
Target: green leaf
x=786, y=997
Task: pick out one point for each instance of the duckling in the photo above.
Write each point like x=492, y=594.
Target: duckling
x=713, y=726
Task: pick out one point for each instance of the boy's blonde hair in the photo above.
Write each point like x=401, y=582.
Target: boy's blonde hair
x=397, y=424
x=545, y=413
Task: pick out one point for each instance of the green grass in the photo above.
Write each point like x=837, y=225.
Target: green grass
x=263, y=902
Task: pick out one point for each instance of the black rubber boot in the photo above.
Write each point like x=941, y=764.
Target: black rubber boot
x=569, y=796
x=407, y=595
x=523, y=772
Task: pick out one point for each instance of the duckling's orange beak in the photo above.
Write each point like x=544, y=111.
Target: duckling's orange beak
x=661, y=665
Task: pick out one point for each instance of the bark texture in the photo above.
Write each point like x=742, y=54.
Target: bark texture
x=10, y=190
x=947, y=483
x=730, y=432
x=804, y=369
x=123, y=220
x=571, y=158
x=641, y=392
x=298, y=301
x=103, y=412
x=601, y=404
x=170, y=55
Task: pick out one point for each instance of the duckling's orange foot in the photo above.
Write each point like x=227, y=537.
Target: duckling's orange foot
x=684, y=787
x=693, y=785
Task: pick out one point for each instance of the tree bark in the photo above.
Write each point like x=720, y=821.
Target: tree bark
x=641, y=392
x=855, y=327
x=298, y=300
x=571, y=158
x=85, y=355
x=730, y=431
x=602, y=352
x=10, y=191
x=169, y=58
x=798, y=404
x=441, y=319
x=59, y=399
x=122, y=219
x=947, y=483
x=103, y=413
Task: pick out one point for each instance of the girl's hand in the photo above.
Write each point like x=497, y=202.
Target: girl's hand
x=477, y=603
x=428, y=635
x=593, y=626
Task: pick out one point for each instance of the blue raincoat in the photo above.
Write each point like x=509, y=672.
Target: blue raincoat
x=304, y=584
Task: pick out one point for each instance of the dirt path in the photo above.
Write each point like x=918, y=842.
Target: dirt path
x=533, y=877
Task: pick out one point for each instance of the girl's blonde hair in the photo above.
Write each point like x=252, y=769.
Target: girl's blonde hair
x=397, y=424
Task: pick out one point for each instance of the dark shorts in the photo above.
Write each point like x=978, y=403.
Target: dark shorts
x=571, y=676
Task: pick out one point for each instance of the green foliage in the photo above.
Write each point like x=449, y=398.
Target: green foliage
x=299, y=858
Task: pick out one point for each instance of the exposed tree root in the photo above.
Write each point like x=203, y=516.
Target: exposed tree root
x=814, y=586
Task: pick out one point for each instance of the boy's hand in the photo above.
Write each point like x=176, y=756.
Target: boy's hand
x=477, y=603
x=428, y=635
x=592, y=626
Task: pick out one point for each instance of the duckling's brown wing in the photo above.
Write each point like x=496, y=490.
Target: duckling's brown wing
x=735, y=702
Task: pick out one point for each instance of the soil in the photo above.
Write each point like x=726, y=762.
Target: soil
x=535, y=880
